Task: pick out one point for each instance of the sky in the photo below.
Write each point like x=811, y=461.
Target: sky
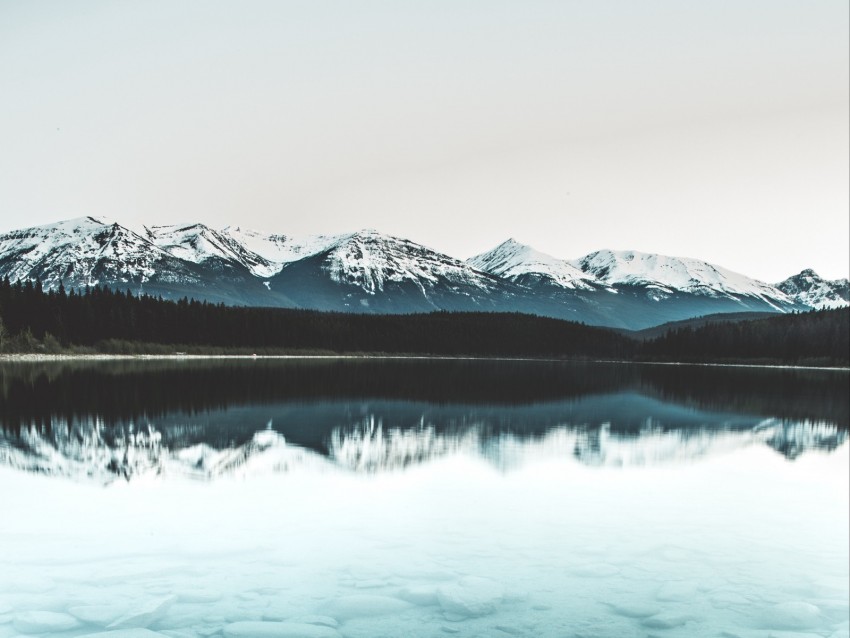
x=716, y=130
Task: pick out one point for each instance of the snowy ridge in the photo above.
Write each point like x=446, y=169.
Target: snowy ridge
x=367, y=271
x=370, y=260
x=512, y=260
x=661, y=275
x=280, y=249
x=672, y=274
x=810, y=289
x=198, y=243
x=61, y=241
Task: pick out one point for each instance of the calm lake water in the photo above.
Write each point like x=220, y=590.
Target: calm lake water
x=369, y=498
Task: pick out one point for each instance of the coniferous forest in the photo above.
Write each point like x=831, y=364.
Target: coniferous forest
x=102, y=320
x=817, y=336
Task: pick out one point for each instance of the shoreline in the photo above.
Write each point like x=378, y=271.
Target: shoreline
x=41, y=358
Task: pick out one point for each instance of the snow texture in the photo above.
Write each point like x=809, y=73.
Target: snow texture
x=198, y=243
x=371, y=260
x=512, y=260
x=676, y=274
x=280, y=249
x=71, y=251
x=810, y=289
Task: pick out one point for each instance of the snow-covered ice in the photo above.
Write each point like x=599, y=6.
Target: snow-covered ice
x=255, y=629
x=469, y=597
x=745, y=543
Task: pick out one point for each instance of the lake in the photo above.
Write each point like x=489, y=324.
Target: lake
x=395, y=497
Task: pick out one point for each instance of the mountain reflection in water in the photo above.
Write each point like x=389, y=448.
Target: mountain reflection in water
x=205, y=419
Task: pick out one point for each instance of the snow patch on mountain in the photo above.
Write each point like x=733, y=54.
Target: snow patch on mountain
x=677, y=274
x=280, y=249
x=198, y=243
x=370, y=260
x=810, y=289
x=26, y=248
x=513, y=260
x=80, y=252
x=263, y=254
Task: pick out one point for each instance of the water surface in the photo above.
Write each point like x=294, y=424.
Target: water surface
x=422, y=498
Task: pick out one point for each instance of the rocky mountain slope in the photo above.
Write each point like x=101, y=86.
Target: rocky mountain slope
x=630, y=289
x=371, y=272
x=810, y=289
x=525, y=265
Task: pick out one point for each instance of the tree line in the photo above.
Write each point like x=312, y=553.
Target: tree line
x=107, y=320
x=804, y=338
x=101, y=319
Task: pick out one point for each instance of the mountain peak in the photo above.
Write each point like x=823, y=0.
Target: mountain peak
x=520, y=262
x=85, y=251
x=198, y=243
x=810, y=289
x=808, y=273
x=174, y=229
x=375, y=263
x=370, y=235
x=665, y=276
x=510, y=241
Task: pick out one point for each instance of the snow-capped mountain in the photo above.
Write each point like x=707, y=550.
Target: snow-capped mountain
x=523, y=264
x=372, y=261
x=665, y=276
x=201, y=244
x=630, y=289
x=810, y=289
x=606, y=269
x=279, y=249
x=85, y=252
x=367, y=271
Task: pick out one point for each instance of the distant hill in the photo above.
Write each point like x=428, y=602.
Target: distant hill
x=818, y=337
x=726, y=317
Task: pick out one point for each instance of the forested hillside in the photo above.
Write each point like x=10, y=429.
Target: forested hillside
x=809, y=338
x=111, y=321
x=104, y=320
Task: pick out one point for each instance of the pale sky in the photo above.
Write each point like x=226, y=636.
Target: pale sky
x=716, y=130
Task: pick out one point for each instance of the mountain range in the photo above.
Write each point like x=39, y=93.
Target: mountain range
x=370, y=272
